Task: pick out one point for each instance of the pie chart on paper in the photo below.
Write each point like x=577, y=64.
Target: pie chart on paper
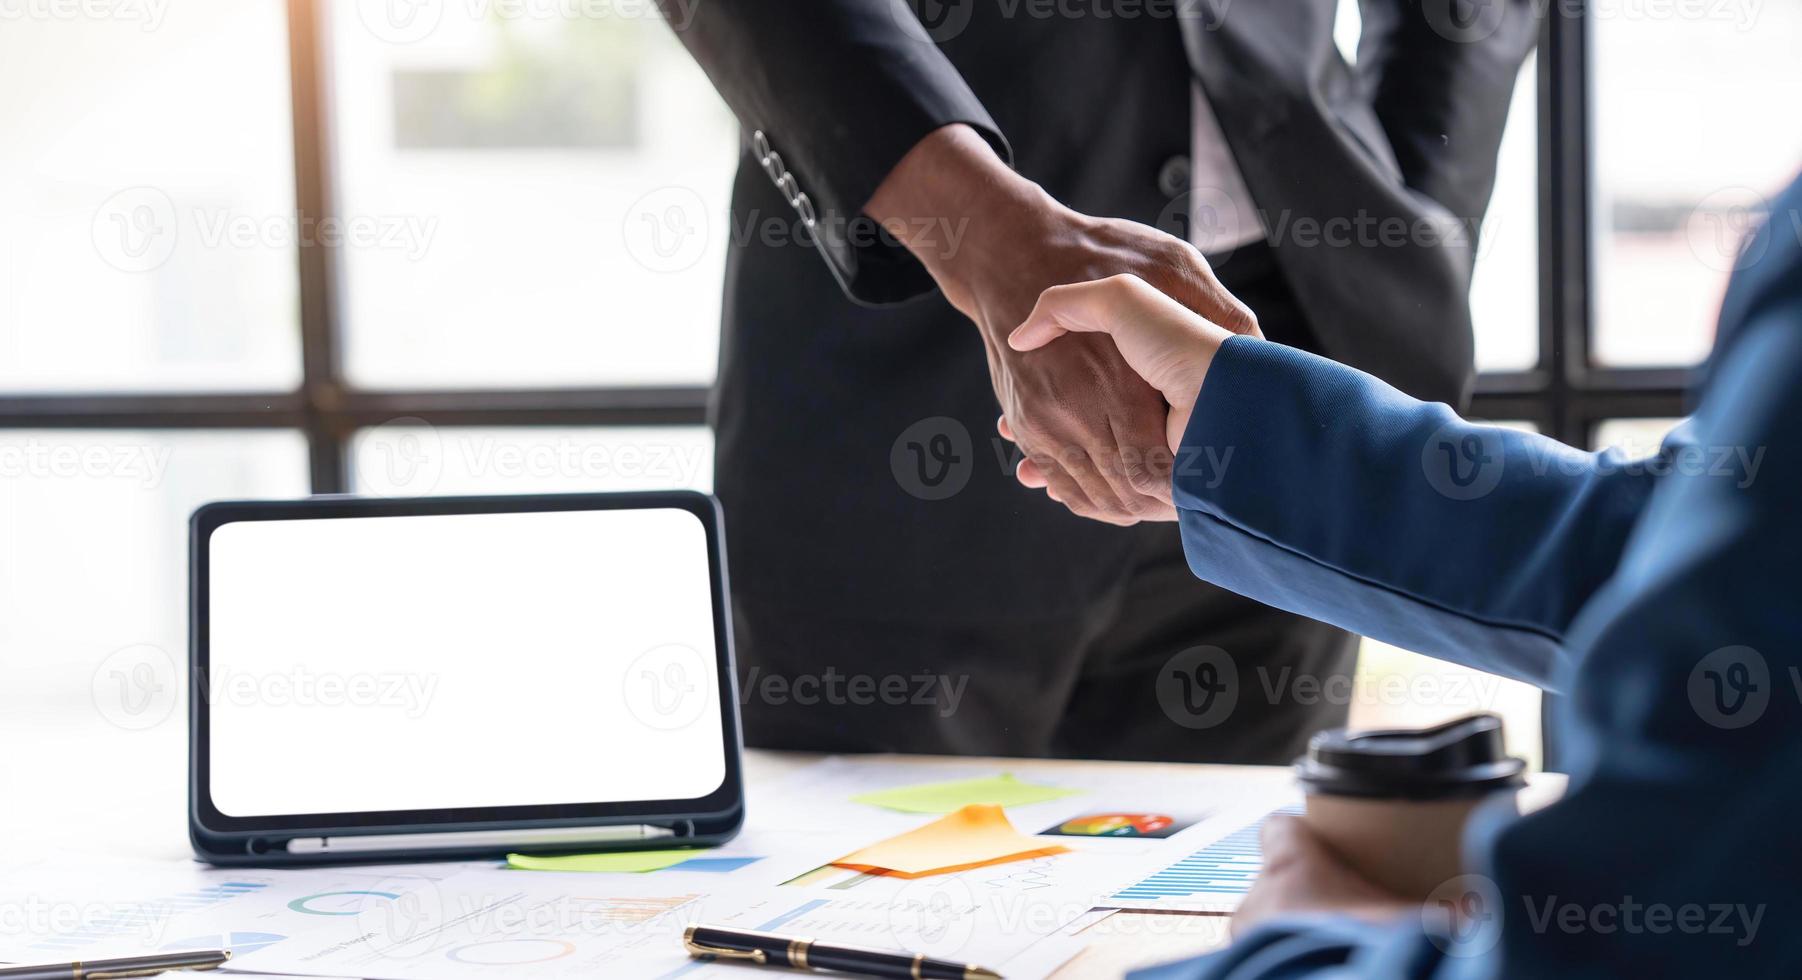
x=510, y=952
x=336, y=903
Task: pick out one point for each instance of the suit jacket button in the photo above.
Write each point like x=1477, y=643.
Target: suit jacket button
x=1173, y=176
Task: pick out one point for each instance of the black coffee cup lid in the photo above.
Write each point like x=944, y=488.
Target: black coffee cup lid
x=1461, y=758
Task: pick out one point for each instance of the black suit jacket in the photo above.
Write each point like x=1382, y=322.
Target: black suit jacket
x=1371, y=178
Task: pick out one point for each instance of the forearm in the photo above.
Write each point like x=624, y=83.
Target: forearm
x=1680, y=713
x=1318, y=489
x=839, y=94
x=950, y=200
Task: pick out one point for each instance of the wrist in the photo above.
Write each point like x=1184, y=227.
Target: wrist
x=953, y=203
x=1182, y=395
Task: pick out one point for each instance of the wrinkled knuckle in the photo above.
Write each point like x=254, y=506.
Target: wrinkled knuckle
x=1144, y=479
x=1243, y=320
x=1182, y=262
x=1083, y=509
x=1139, y=508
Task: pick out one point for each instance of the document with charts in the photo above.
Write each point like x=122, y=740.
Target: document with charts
x=84, y=907
x=547, y=926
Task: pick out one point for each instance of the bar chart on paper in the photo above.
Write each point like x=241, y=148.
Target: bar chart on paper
x=1212, y=879
x=128, y=919
x=73, y=906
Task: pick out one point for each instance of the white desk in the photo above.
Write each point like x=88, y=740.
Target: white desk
x=79, y=783
x=76, y=782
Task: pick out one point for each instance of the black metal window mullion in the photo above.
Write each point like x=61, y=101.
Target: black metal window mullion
x=321, y=374
x=1565, y=268
x=1564, y=253
x=1579, y=394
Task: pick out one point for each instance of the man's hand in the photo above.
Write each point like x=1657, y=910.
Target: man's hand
x=1302, y=875
x=1091, y=427
x=1165, y=343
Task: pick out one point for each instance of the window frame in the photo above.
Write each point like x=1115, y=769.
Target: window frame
x=1566, y=394
x=325, y=407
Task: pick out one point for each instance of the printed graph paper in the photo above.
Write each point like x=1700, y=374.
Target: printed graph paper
x=1213, y=878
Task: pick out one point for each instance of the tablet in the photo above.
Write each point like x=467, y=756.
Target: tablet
x=457, y=677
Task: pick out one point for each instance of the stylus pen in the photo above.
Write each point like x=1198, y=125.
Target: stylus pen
x=126, y=966
x=539, y=837
x=769, y=949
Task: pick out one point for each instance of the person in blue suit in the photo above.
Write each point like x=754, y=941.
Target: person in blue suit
x=1659, y=594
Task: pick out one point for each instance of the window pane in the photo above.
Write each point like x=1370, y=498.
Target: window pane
x=93, y=578
x=1638, y=438
x=147, y=197
x=555, y=181
x=407, y=457
x=1504, y=291
x=1398, y=689
x=1687, y=152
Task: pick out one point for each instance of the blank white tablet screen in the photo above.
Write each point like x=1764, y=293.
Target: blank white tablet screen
x=469, y=660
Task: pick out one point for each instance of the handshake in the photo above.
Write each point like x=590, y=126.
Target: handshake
x=1098, y=418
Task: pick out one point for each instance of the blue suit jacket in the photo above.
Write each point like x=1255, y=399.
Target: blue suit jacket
x=1660, y=594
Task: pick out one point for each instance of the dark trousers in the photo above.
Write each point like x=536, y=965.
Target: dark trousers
x=1127, y=676
x=1156, y=665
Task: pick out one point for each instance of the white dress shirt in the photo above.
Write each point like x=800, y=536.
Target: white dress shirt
x=1222, y=215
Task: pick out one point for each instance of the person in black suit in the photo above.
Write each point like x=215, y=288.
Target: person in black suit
x=895, y=588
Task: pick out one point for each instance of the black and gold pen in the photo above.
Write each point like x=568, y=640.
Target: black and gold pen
x=767, y=949
x=128, y=966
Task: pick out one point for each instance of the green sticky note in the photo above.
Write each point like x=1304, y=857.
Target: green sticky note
x=1002, y=790
x=622, y=861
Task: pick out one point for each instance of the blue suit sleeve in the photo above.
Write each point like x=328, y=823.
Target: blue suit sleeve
x=1319, y=489
x=1673, y=853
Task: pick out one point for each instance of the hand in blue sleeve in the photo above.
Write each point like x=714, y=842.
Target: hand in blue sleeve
x=1321, y=490
x=1661, y=595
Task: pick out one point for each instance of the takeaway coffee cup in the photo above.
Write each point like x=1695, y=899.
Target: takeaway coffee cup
x=1393, y=803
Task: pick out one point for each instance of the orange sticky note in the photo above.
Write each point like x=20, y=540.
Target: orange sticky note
x=978, y=834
